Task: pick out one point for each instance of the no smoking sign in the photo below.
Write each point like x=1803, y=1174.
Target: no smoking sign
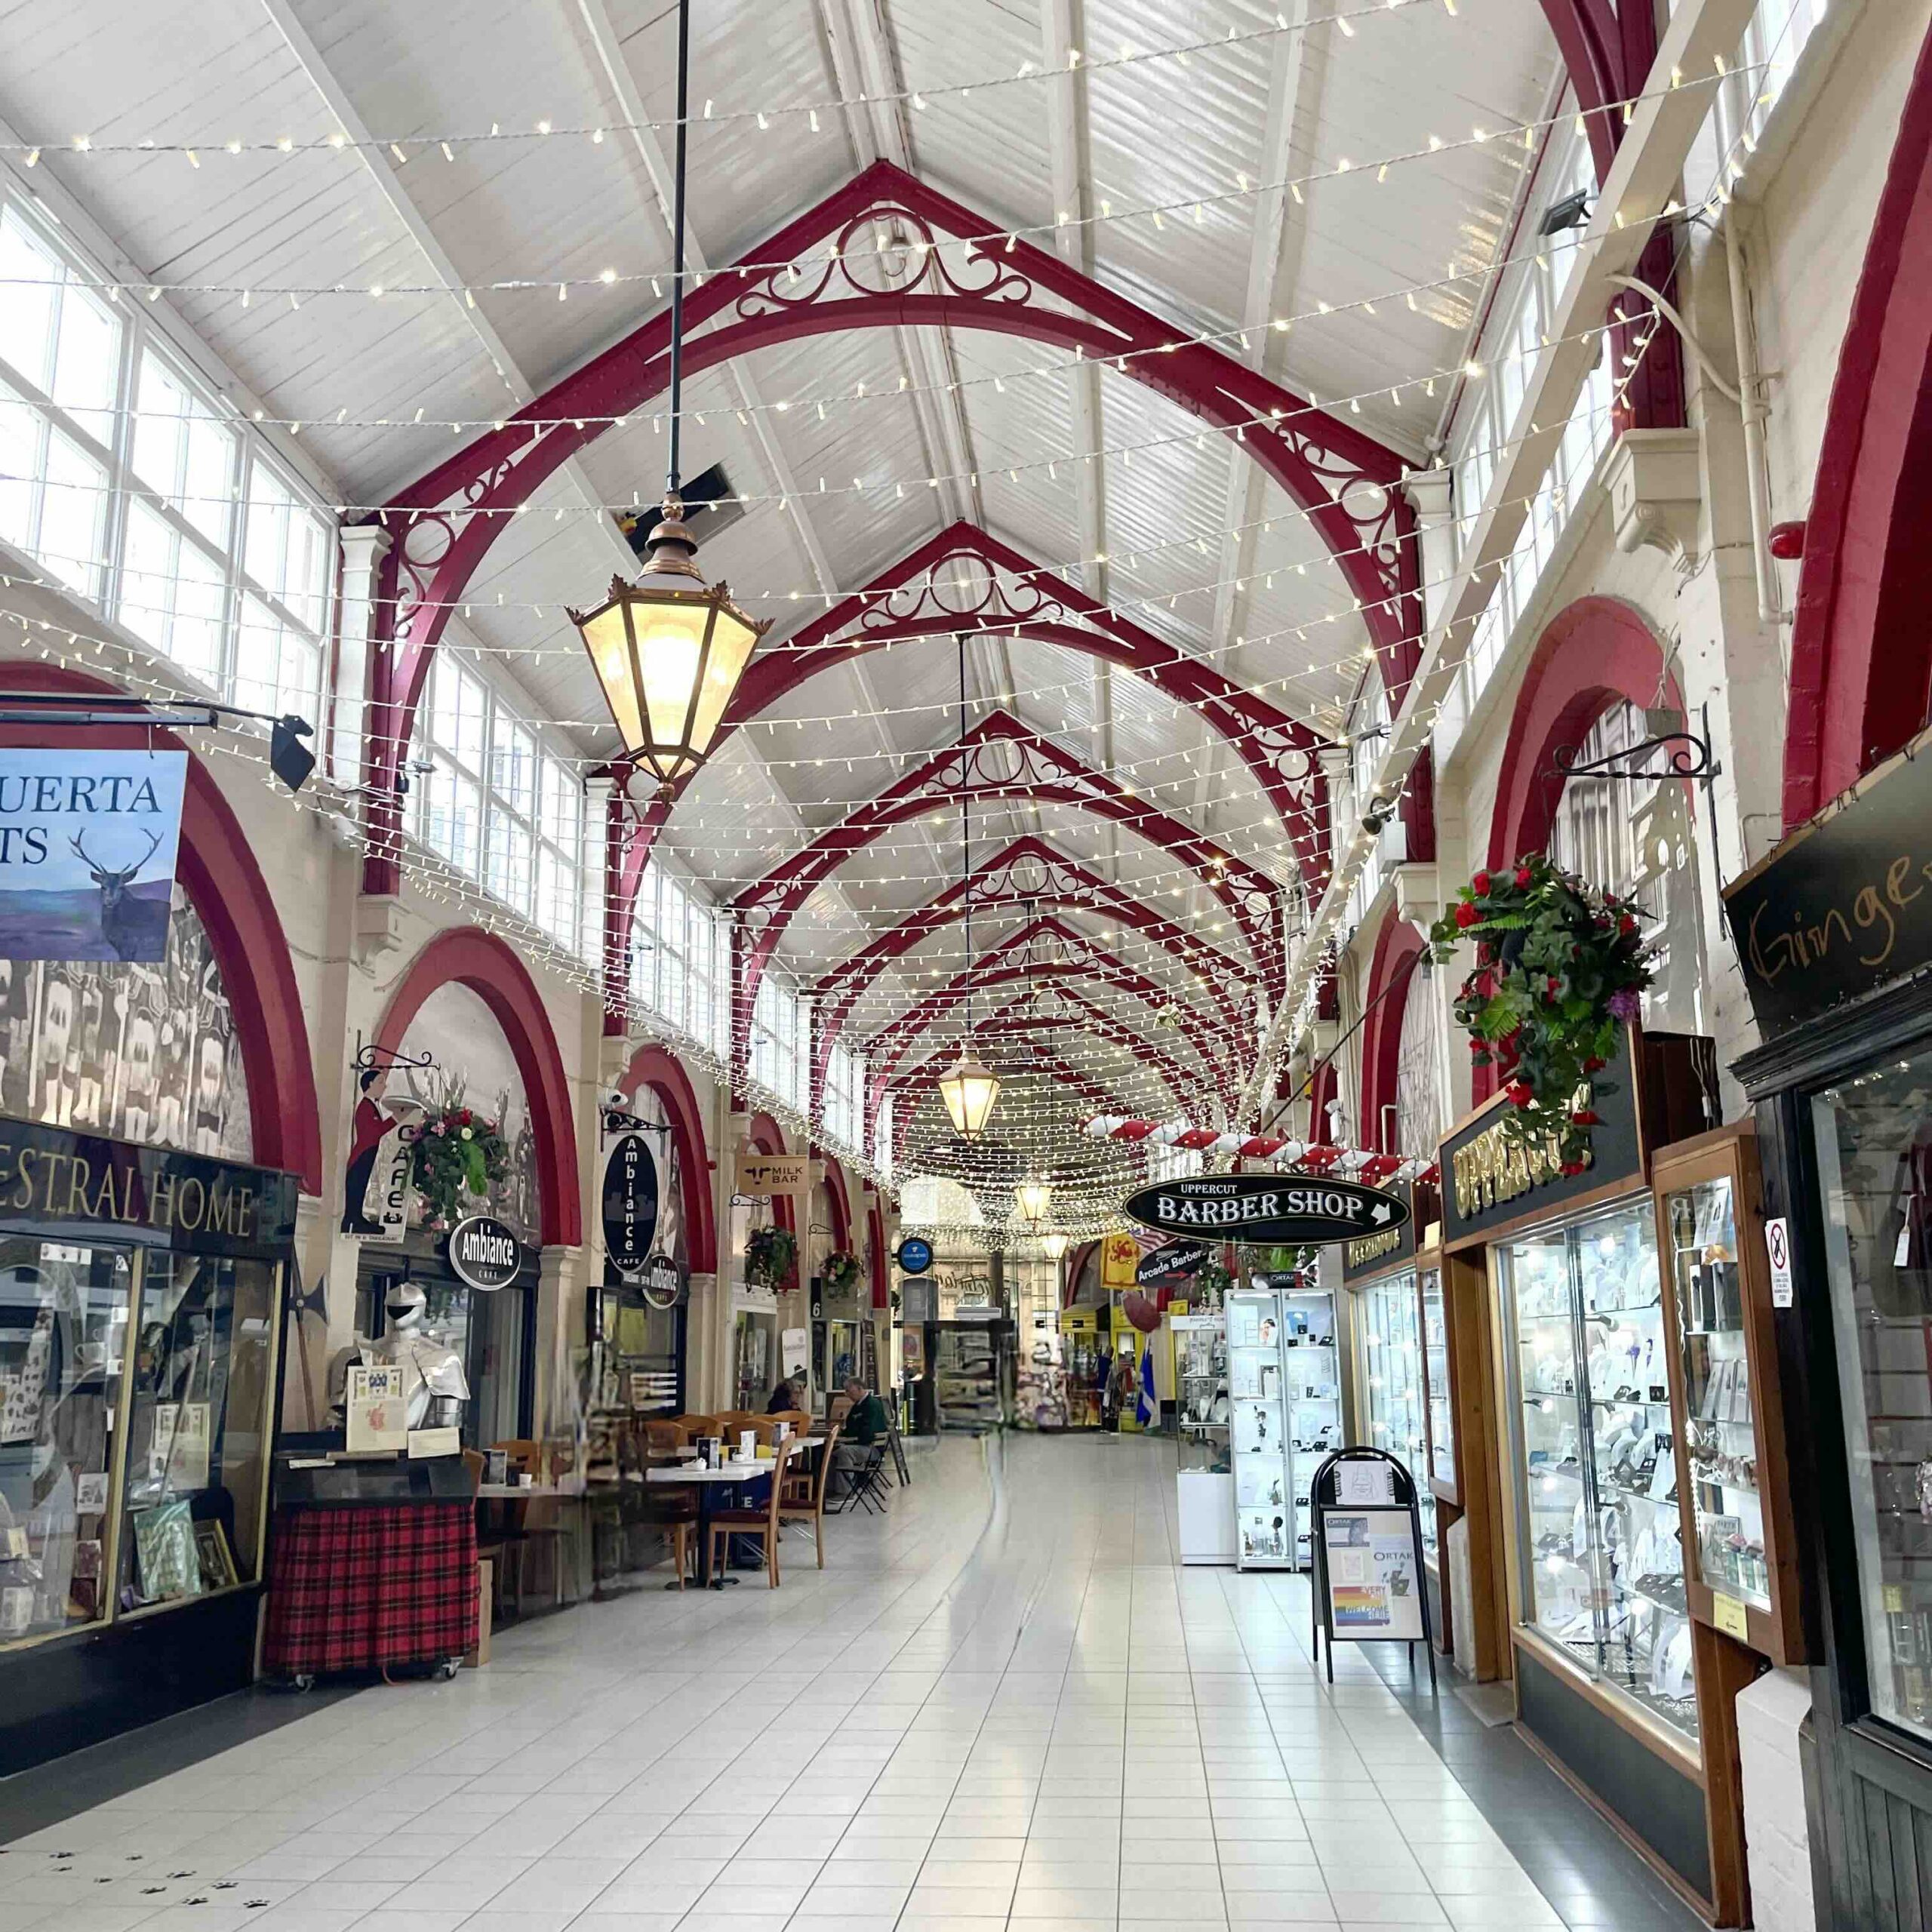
x=1778, y=1246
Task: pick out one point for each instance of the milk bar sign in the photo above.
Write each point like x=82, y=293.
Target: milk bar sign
x=1278, y=1210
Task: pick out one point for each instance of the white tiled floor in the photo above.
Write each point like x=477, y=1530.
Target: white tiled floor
x=1002, y=1706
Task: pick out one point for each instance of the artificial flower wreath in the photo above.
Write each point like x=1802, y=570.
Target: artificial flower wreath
x=1559, y=969
x=840, y=1270
x=456, y=1149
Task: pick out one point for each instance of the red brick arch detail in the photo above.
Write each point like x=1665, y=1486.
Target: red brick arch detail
x=1391, y=976
x=665, y=1075
x=1861, y=651
x=218, y=871
x=470, y=957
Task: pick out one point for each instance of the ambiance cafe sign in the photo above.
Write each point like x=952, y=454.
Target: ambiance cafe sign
x=1276, y=1210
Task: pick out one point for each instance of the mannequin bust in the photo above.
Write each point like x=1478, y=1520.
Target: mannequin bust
x=435, y=1386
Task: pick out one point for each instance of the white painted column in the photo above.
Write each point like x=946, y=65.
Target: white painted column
x=364, y=547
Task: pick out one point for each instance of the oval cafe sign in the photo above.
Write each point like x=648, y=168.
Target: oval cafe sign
x=484, y=1253
x=1273, y=1210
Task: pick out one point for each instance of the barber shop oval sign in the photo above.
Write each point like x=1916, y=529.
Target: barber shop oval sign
x=1277, y=1210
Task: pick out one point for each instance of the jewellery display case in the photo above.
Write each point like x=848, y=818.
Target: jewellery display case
x=1205, y=1483
x=1394, y=1409
x=1742, y=1576
x=1600, y=1555
x=140, y=1349
x=1258, y=1410
x=1440, y=1408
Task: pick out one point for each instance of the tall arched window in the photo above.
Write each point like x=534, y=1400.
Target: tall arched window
x=1635, y=836
x=1421, y=1078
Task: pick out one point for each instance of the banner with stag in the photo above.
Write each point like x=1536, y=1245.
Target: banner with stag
x=87, y=843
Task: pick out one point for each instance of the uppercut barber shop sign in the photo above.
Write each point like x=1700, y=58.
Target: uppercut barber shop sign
x=1275, y=1209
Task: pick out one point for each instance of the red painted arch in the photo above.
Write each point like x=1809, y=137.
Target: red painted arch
x=1392, y=975
x=473, y=958
x=1861, y=651
x=1321, y=1091
x=665, y=1075
x=875, y=1245
x=836, y=1187
x=224, y=885
x=1594, y=653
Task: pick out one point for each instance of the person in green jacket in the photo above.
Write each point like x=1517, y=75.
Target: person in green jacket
x=864, y=1425
x=865, y=1420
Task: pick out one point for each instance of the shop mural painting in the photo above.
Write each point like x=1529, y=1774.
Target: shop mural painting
x=144, y=1051
x=88, y=841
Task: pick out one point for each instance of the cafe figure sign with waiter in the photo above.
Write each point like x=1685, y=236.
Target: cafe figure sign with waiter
x=1273, y=1210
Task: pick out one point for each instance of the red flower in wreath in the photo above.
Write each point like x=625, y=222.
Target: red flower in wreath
x=1466, y=915
x=1480, y=885
x=1523, y=877
x=1570, y=1169
x=1586, y=1117
x=1625, y=924
x=1519, y=1094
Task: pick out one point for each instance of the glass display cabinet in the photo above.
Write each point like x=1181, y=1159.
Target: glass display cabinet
x=1741, y=1573
x=1259, y=1428
x=1599, y=1552
x=1204, y=1483
x=1394, y=1397
x=1441, y=1402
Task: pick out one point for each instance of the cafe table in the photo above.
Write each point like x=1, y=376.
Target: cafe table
x=708, y=1482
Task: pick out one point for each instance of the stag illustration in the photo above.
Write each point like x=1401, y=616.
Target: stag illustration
x=118, y=927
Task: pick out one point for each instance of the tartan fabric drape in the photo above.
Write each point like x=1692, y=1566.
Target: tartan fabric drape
x=354, y=1589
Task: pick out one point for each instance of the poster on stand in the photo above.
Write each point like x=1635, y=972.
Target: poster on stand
x=1373, y=1575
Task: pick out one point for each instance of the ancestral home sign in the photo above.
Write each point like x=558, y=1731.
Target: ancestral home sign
x=1266, y=1209
x=87, y=843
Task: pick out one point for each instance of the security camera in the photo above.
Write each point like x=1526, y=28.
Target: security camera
x=613, y=1096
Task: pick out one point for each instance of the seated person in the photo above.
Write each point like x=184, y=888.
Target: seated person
x=862, y=1425
x=784, y=1400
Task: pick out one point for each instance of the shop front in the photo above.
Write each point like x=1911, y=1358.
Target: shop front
x=142, y=1295
x=1400, y=1359
x=449, y=1084
x=1607, y=1457
x=1836, y=932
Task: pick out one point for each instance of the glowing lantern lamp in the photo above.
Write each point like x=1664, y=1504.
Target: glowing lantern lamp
x=969, y=1088
x=1055, y=1245
x=1034, y=1198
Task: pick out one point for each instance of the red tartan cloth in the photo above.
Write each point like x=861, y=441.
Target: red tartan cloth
x=357, y=1588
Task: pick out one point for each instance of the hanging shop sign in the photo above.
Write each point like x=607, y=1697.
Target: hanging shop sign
x=484, y=1253
x=1168, y=1266
x=665, y=1280
x=1369, y=1254
x=87, y=840
x=1844, y=905
x=1274, y=1209
x=1490, y=1178
x=773, y=1174
x=1120, y=1259
x=67, y=1183
x=914, y=1256
x=630, y=1204
x=378, y=1182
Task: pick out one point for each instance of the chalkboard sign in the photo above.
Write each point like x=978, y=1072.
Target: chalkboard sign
x=1365, y=1542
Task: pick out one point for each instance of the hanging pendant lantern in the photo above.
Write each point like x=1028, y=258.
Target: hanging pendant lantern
x=1035, y=1197
x=669, y=649
x=969, y=1088
x=1055, y=1245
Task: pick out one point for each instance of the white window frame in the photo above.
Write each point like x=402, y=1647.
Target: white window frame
x=104, y=437
x=472, y=768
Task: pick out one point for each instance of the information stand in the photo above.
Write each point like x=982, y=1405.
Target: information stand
x=1367, y=1556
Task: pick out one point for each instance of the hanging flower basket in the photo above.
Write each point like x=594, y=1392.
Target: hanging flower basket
x=455, y=1153
x=769, y=1254
x=840, y=1270
x=1559, y=971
